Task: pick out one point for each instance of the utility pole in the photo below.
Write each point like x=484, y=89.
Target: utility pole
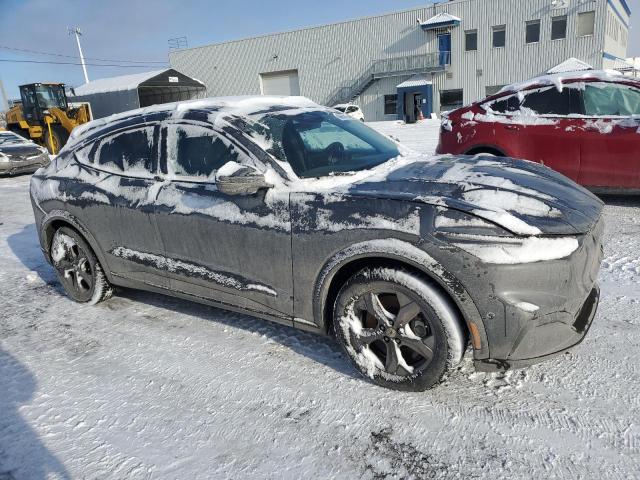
x=77, y=32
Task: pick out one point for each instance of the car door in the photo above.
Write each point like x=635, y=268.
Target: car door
x=234, y=249
x=118, y=195
x=610, y=134
x=540, y=126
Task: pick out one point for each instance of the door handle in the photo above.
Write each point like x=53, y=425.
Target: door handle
x=511, y=127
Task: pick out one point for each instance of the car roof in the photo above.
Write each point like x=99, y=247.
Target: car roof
x=247, y=105
x=570, y=77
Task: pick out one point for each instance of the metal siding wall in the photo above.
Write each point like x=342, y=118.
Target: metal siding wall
x=332, y=56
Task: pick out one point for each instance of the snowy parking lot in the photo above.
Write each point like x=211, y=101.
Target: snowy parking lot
x=147, y=386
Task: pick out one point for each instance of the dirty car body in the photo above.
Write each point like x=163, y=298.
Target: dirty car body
x=19, y=155
x=513, y=245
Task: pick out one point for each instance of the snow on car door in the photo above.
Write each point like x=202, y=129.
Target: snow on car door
x=234, y=249
x=123, y=197
x=610, y=151
x=540, y=129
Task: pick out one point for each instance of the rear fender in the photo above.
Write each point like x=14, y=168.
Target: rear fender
x=48, y=228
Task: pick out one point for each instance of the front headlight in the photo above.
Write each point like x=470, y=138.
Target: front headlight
x=3, y=158
x=492, y=244
x=454, y=222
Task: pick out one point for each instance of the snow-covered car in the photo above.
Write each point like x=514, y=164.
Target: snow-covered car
x=19, y=155
x=296, y=213
x=350, y=109
x=585, y=125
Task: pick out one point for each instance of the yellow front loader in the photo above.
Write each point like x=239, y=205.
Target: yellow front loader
x=44, y=115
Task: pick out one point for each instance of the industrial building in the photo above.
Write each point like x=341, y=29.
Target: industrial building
x=418, y=61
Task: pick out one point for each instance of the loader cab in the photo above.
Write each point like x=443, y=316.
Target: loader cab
x=38, y=97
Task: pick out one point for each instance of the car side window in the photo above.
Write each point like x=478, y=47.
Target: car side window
x=197, y=152
x=549, y=101
x=607, y=99
x=546, y=101
x=131, y=151
x=351, y=109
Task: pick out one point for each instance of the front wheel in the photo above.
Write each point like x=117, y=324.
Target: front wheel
x=398, y=329
x=78, y=268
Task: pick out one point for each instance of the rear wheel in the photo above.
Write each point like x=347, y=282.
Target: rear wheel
x=78, y=268
x=56, y=140
x=397, y=329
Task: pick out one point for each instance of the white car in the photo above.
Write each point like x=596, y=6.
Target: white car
x=20, y=155
x=351, y=110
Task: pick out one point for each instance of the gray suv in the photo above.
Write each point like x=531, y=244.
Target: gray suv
x=280, y=208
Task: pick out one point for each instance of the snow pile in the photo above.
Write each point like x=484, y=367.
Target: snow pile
x=570, y=65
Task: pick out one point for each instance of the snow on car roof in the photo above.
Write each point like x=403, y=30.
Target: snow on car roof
x=237, y=105
x=558, y=79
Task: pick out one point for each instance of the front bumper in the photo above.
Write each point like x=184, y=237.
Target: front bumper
x=547, y=331
x=14, y=167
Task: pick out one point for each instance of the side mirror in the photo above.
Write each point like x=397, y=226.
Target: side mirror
x=243, y=181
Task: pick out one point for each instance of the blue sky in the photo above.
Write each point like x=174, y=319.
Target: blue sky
x=139, y=30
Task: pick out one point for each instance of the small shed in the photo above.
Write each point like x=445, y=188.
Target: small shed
x=128, y=92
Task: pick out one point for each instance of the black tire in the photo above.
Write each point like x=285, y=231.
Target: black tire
x=78, y=268
x=59, y=136
x=398, y=329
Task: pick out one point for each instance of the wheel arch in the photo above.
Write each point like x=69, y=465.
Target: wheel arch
x=396, y=254
x=492, y=149
x=60, y=218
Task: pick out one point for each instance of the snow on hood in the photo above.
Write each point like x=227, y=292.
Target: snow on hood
x=522, y=197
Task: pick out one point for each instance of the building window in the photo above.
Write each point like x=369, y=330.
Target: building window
x=471, y=40
x=450, y=100
x=499, y=36
x=533, y=31
x=559, y=27
x=391, y=104
x=586, y=23
x=492, y=90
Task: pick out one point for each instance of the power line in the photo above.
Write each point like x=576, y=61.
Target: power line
x=37, y=52
x=75, y=63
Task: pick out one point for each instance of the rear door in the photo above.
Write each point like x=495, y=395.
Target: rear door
x=610, y=134
x=234, y=249
x=539, y=125
x=117, y=198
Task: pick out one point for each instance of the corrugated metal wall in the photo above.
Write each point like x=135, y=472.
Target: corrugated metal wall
x=333, y=56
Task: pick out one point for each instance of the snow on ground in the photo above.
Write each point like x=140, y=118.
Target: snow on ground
x=146, y=386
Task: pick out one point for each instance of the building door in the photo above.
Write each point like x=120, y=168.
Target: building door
x=444, y=47
x=280, y=83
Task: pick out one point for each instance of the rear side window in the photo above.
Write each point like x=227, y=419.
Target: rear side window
x=549, y=101
x=197, y=152
x=132, y=151
x=605, y=99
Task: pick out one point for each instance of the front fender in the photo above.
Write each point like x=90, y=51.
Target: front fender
x=409, y=254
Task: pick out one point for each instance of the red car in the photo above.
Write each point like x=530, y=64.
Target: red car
x=584, y=125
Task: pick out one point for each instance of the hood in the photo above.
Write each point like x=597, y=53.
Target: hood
x=23, y=151
x=520, y=196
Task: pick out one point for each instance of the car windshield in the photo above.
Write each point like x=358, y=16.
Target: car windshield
x=318, y=143
x=7, y=138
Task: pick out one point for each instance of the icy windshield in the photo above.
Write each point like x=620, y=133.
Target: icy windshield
x=7, y=138
x=318, y=143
